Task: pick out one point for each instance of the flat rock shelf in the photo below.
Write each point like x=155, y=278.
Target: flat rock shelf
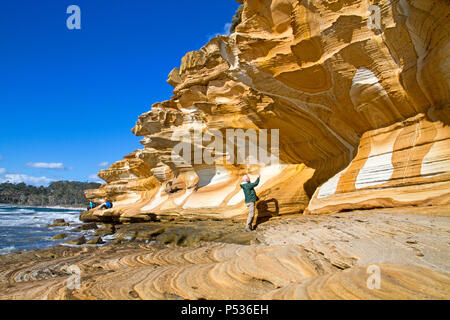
x=290, y=257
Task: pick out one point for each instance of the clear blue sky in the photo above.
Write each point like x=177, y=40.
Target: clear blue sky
x=68, y=98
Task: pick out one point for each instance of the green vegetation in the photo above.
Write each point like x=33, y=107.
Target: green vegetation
x=237, y=18
x=61, y=193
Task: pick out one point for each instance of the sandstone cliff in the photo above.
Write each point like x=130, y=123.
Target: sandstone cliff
x=362, y=111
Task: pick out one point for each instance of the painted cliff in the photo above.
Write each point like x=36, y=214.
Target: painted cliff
x=352, y=97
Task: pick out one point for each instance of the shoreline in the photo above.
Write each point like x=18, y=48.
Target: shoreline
x=27, y=228
x=182, y=232
x=200, y=229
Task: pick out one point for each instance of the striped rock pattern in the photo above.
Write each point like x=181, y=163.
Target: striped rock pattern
x=407, y=163
x=347, y=84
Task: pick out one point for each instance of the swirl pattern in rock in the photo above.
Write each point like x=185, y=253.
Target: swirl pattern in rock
x=343, y=93
x=298, y=257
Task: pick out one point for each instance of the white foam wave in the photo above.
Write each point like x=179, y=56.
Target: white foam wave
x=25, y=211
x=7, y=250
x=26, y=217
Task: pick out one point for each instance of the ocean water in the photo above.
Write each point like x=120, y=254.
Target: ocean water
x=24, y=228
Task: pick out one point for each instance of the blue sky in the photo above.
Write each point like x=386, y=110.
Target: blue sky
x=68, y=98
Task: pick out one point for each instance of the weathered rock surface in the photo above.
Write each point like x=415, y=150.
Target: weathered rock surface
x=407, y=163
x=363, y=118
x=105, y=230
x=96, y=241
x=59, y=236
x=58, y=223
x=77, y=241
x=186, y=233
x=342, y=93
x=299, y=257
x=86, y=226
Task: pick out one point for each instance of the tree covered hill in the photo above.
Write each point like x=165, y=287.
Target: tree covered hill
x=61, y=193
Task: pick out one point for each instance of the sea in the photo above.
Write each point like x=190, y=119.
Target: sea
x=25, y=228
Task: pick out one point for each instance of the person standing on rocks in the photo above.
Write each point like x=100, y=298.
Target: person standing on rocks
x=250, y=199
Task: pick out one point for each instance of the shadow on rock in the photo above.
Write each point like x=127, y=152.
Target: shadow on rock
x=266, y=210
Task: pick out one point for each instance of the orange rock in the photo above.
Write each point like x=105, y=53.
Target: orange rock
x=341, y=93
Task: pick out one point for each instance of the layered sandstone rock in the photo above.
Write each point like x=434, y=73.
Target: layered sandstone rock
x=405, y=164
x=343, y=93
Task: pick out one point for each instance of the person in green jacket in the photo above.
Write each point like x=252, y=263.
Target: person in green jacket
x=250, y=199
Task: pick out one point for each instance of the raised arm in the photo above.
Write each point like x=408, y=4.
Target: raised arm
x=255, y=184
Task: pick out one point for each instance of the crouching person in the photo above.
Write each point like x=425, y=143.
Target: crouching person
x=107, y=205
x=92, y=205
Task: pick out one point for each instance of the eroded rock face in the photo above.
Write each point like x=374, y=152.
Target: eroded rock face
x=404, y=164
x=342, y=93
